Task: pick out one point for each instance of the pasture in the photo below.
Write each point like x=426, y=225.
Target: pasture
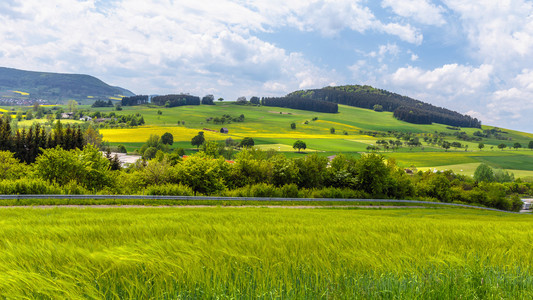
x=354, y=127
x=264, y=253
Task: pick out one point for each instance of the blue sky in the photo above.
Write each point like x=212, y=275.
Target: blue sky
x=470, y=56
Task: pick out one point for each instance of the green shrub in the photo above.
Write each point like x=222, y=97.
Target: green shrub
x=74, y=188
x=169, y=190
x=264, y=190
x=28, y=186
x=290, y=191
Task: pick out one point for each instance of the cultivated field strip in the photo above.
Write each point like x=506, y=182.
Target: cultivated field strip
x=249, y=253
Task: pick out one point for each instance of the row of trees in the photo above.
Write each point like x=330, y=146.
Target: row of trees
x=135, y=100
x=303, y=104
x=176, y=100
x=252, y=173
x=102, y=103
x=405, y=108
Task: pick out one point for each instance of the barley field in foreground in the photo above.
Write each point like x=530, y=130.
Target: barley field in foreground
x=169, y=253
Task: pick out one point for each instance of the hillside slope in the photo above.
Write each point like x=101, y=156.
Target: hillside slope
x=404, y=108
x=55, y=86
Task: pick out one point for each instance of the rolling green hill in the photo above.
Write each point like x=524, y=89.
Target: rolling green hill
x=404, y=108
x=355, y=130
x=55, y=87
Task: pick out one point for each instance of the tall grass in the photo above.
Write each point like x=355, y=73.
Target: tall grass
x=264, y=253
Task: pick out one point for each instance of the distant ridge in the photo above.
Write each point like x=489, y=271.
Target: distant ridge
x=404, y=108
x=56, y=87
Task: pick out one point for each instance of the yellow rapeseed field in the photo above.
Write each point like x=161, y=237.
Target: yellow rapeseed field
x=142, y=133
x=21, y=93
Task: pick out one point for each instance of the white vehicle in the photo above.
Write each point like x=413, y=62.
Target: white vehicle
x=526, y=204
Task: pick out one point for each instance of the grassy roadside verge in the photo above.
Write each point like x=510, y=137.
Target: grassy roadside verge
x=171, y=202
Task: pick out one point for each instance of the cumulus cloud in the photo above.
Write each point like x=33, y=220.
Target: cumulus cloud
x=330, y=17
x=422, y=11
x=451, y=80
x=230, y=47
x=454, y=86
x=180, y=46
x=499, y=32
x=516, y=102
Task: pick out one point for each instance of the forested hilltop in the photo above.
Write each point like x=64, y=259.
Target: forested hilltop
x=55, y=86
x=404, y=108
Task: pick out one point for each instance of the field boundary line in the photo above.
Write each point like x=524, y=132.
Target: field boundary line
x=264, y=199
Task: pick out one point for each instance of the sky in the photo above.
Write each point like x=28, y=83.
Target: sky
x=474, y=57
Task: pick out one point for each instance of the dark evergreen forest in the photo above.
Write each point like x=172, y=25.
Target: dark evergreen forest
x=28, y=144
x=303, y=104
x=404, y=108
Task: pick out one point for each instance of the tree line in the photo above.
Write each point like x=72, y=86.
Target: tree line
x=302, y=104
x=102, y=103
x=253, y=173
x=134, y=100
x=176, y=100
x=409, y=110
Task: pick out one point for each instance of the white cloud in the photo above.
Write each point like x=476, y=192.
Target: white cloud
x=449, y=80
x=330, y=17
x=180, y=46
x=514, y=103
x=391, y=49
x=499, y=32
x=183, y=45
x=419, y=10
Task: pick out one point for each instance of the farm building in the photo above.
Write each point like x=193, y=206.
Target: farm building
x=224, y=130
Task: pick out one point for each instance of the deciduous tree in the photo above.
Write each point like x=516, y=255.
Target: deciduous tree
x=247, y=142
x=198, y=140
x=167, y=138
x=299, y=145
x=483, y=173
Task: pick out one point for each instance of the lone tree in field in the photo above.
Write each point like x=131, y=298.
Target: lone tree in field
x=299, y=145
x=167, y=138
x=480, y=146
x=247, y=142
x=198, y=140
x=517, y=145
x=502, y=146
x=530, y=145
x=332, y=130
x=293, y=125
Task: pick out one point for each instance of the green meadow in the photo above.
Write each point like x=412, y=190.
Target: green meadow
x=270, y=129
x=174, y=253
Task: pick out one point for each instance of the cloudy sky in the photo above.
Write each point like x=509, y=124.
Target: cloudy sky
x=474, y=57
